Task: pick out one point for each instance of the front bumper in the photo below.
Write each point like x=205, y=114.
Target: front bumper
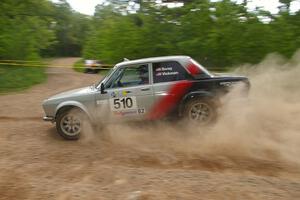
x=48, y=119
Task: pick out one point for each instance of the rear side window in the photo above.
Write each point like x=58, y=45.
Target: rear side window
x=168, y=71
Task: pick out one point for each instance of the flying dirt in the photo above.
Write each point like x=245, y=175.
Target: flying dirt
x=251, y=152
x=259, y=133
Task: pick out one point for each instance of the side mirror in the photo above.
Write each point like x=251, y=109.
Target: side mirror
x=102, y=89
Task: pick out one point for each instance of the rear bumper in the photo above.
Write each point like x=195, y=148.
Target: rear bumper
x=48, y=119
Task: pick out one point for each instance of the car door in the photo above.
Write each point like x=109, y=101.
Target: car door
x=170, y=84
x=129, y=93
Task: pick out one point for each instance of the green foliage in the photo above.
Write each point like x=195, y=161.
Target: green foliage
x=33, y=28
x=70, y=30
x=17, y=78
x=217, y=34
x=24, y=32
x=30, y=29
x=78, y=66
x=24, y=28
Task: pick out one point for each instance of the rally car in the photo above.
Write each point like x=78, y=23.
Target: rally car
x=144, y=89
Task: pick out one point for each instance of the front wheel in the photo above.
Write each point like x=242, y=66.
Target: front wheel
x=200, y=111
x=69, y=123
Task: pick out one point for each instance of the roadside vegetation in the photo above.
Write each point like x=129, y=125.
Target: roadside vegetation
x=79, y=65
x=219, y=34
x=31, y=30
x=17, y=78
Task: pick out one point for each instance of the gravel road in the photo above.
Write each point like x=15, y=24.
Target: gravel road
x=35, y=163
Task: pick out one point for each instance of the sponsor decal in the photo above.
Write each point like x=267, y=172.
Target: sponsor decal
x=124, y=113
x=124, y=93
x=113, y=95
x=130, y=112
x=100, y=102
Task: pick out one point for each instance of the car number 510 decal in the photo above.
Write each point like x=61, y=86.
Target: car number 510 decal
x=123, y=103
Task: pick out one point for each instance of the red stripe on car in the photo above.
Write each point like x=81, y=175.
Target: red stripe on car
x=168, y=102
x=193, y=69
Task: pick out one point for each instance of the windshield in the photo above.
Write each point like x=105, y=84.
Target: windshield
x=104, y=78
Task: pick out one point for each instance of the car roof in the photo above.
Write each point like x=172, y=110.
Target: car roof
x=153, y=59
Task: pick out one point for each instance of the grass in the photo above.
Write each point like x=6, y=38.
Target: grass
x=78, y=66
x=18, y=78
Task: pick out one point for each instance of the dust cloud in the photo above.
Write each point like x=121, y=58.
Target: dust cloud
x=260, y=133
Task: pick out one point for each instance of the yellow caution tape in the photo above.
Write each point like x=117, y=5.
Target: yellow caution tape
x=32, y=64
x=45, y=65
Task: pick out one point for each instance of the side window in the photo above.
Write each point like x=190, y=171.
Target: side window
x=116, y=74
x=131, y=76
x=168, y=71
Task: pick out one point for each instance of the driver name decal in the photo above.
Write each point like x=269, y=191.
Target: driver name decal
x=165, y=71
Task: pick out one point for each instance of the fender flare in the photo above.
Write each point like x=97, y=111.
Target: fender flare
x=75, y=104
x=193, y=95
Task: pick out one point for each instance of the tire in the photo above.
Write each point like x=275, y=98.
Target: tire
x=200, y=111
x=70, y=123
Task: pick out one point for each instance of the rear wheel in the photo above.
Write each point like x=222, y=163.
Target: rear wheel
x=69, y=123
x=200, y=111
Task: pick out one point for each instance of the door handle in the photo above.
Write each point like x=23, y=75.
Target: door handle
x=128, y=91
x=145, y=89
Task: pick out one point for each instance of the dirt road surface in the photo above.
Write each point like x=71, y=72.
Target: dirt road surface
x=35, y=163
